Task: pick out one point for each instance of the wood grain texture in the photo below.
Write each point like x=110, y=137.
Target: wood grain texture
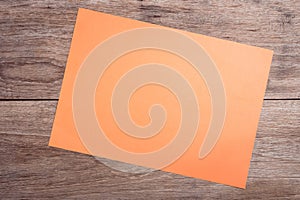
x=31, y=169
x=36, y=36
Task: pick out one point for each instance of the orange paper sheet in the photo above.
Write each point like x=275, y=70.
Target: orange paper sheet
x=161, y=98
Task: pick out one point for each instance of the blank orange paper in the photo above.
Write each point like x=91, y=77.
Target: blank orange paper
x=161, y=98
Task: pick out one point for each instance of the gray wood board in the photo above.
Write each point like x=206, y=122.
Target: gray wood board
x=36, y=36
x=29, y=168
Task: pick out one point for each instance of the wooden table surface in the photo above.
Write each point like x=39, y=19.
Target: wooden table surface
x=35, y=37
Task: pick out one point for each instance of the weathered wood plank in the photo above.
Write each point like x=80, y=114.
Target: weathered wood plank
x=29, y=168
x=36, y=35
